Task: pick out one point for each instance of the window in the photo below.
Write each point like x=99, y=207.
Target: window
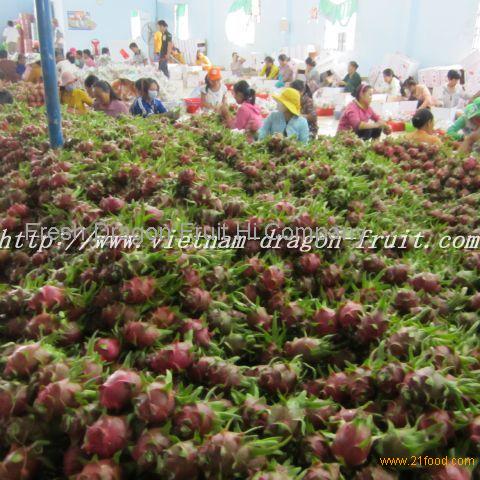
x=181, y=21
x=340, y=36
x=476, y=32
x=241, y=20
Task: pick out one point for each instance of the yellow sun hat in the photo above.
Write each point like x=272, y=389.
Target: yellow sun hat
x=290, y=98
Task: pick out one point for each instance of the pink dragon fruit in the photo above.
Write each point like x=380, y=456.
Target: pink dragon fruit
x=151, y=444
x=138, y=290
x=119, y=389
x=451, y=472
x=100, y=470
x=21, y=463
x=309, y=263
x=350, y=314
x=197, y=300
x=106, y=436
x=272, y=279
x=112, y=205
x=337, y=387
x=140, y=334
x=108, y=348
x=73, y=460
x=323, y=471
x=156, y=405
x=324, y=321
x=197, y=417
x=13, y=399
x=371, y=328
x=25, y=359
x=176, y=357
x=352, y=444
x=56, y=397
x=163, y=317
x=259, y=319
x=277, y=378
x=428, y=282
x=439, y=422
x=47, y=298
x=181, y=461
x=201, y=335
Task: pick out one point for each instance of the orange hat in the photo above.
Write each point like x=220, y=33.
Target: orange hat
x=215, y=74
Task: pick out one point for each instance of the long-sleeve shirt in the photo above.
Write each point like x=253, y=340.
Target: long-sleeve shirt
x=142, y=107
x=353, y=115
x=272, y=74
x=248, y=117
x=295, y=127
x=286, y=74
x=352, y=82
x=114, y=109
x=76, y=100
x=461, y=128
x=453, y=99
x=392, y=89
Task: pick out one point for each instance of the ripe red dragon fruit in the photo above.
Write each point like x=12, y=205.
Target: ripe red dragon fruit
x=405, y=339
x=25, y=359
x=21, y=463
x=292, y=315
x=371, y=328
x=194, y=418
x=151, y=444
x=100, y=470
x=272, y=278
x=119, y=313
x=163, y=317
x=201, y=335
x=56, y=397
x=350, y=314
x=373, y=264
x=259, y=319
x=181, y=461
x=176, y=357
x=315, y=448
x=474, y=431
x=112, y=205
x=406, y=300
x=18, y=210
x=397, y=413
x=138, y=290
x=475, y=302
x=187, y=177
x=106, y=436
x=352, y=444
x=470, y=164
x=73, y=460
x=141, y=334
x=309, y=263
x=255, y=412
x=47, y=298
x=396, y=274
x=361, y=387
x=337, y=387
x=389, y=379
x=216, y=373
x=424, y=385
x=157, y=404
x=277, y=378
x=117, y=391
x=108, y=348
x=41, y=325
x=375, y=473
x=13, y=399
x=428, y=282
x=323, y=471
x=451, y=472
x=310, y=349
x=197, y=300
x=191, y=277
x=439, y=423
x=325, y=321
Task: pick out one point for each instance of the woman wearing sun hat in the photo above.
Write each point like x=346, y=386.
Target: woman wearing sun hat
x=75, y=98
x=467, y=127
x=214, y=92
x=287, y=120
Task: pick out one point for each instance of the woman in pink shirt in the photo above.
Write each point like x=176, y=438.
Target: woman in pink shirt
x=248, y=117
x=421, y=93
x=106, y=100
x=88, y=57
x=359, y=117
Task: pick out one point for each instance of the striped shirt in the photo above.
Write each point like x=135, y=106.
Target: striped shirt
x=143, y=108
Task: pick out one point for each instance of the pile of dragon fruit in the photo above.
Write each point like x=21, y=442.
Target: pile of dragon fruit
x=183, y=363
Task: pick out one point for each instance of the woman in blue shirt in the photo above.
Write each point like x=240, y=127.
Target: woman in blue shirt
x=287, y=120
x=147, y=103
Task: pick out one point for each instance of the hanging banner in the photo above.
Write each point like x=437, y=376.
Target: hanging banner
x=245, y=5
x=338, y=12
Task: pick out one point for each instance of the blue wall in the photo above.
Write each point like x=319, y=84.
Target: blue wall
x=434, y=32
x=10, y=9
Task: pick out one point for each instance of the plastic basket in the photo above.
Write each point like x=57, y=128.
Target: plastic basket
x=325, y=112
x=397, y=126
x=193, y=104
x=264, y=96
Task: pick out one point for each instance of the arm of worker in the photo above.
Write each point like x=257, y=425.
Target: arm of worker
x=86, y=99
x=266, y=129
x=470, y=141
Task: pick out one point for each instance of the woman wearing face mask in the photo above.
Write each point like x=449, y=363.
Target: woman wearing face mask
x=214, y=93
x=76, y=99
x=359, y=117
x=287, y=120
x=147, y=103
x=107, y=101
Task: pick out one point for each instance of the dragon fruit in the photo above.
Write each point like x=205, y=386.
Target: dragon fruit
x=337, y=387
x=361, y=386
x=309, y=263
x=201, y=335
x=151, y=444
x=156, y=405
x=21, y=463
x=197, y=300
x=176, y=357
x=106, y=436
x=424, y=385
x=25, y=359
x=439, y=423
x=13, y=399
x=259, y=319
x=349, y=315
x=181, y=461
x=397, y=413
x=100, y=470
x=451, y=472
x=405, y=339
x=396, y=274
x=56, y=397
x=255, y=412
x=197, y=417
x=216, y=373
x=112, y=205
x=119, y=389
x=375, y=473
x=41, y=325
x=141, y=334
x=163, y=317
x=352, y=444
x=138, y=290
x=118, y=313
x=324, y=321
x=315, y=448
x=47, y=298
x=108, y=348
x=406, y=300
x=277, y=378
x=310, y=349
x=292, y=315
x=73, y=460
x=272, y=279
x=371, y=328
x=323, y=471
x=389, y=379
x=428, y=282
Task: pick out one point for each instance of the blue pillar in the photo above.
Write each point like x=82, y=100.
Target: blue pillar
x=49, y=68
